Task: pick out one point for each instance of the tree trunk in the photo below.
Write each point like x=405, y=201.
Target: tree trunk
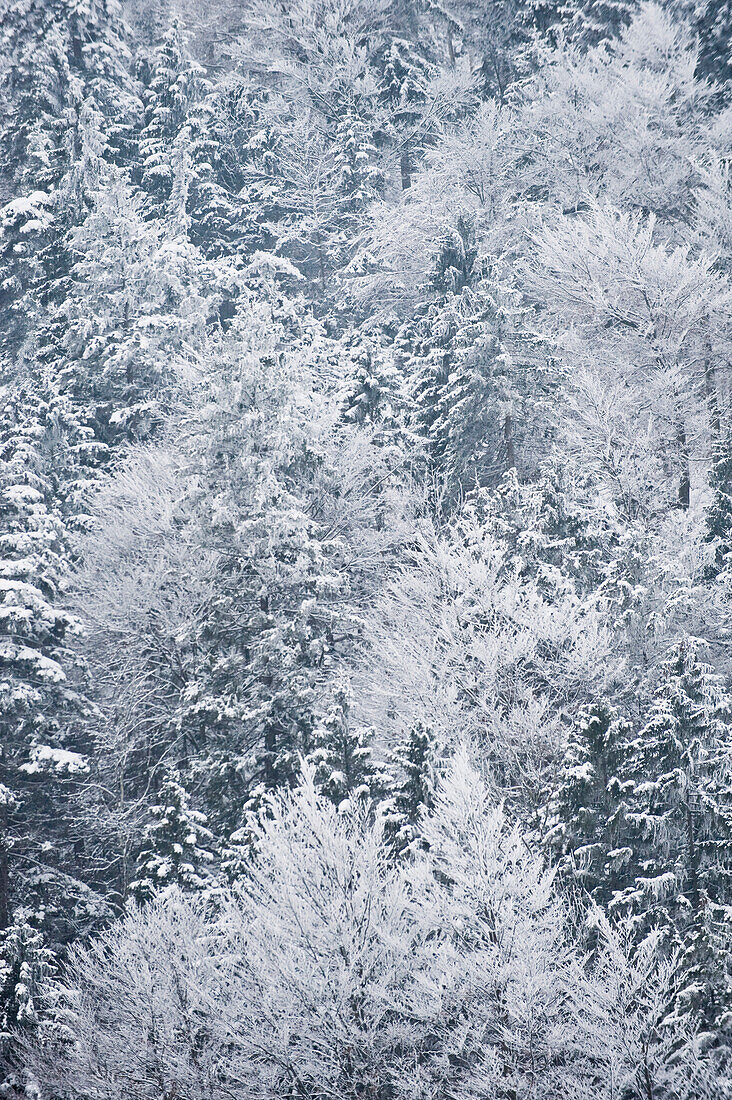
x=406, y=167
x=685, y=479
x=508, y=440
x=450, y=48
x=710, y=383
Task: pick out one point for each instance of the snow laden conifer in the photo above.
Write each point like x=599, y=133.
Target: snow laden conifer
x=26, y=964
x=176, y=845
x=584, y=818
x=679, y=813
x=175, y=83
x=412, y=779
x=132, y=315
x=37, y=693
x=341, y=755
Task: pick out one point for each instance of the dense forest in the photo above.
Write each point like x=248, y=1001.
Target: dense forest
x=365, y=550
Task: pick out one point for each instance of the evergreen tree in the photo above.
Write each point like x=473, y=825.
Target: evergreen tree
x=585, y=823
x=60, y=54
x=133, y=311
x=26, y=965
x=176, y=844
x=679, y=810
x=719, y=513
x=40, y=761
x=713, y=25
x=411, y=786
x=216, y=214
x=343, y=768
x=175, y=84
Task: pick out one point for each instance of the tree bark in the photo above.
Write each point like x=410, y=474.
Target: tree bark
x=685, y=479
x=508, y=440
x=405, y=167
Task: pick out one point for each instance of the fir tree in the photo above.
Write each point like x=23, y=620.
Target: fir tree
x=176, y=846
x=133, y=304
x=679, y=810
x=343, y=768
x=585, y=823
x=25, y=965
x=176, y=83
x=412, y=771
x=37, y=694
x=719, y=513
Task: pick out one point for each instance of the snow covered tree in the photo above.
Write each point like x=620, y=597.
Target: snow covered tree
x=719, y=512
x=678, y=808
x=680, y=801
x=134, y=310
x=175, y=84
x=412, y=779
x=585, y=825
x=173, y=848
x=628, y=1036
x=216, y=212
x=59, y=54
x=713, y=25
x=341, y=754
x=26, y=964
x=37, y=694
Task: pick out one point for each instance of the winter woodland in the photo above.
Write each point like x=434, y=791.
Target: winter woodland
x=365, y=550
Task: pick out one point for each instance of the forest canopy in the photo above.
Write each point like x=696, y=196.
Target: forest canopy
x=365, y=550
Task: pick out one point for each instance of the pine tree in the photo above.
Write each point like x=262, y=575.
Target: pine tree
x=404, y=74
x=176, y=83
x=585, y=824
x=35, y=91
x=341, y=758
x=216, y=214
x=361, y=178
x=412, y=772
x=176, y=845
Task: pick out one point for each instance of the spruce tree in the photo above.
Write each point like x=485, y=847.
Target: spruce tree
x=679, y=810
x=341, y=753
x=585, y=825
x=176, y=844
x=410, y=787
x=39, y=702
x=719, y=512
x=175, y=84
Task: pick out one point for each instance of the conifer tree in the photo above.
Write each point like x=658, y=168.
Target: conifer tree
x=176, y=83
x=586, y=826
x=679, y=810
x=719, y=512
x=176, y=845
x=60, y=54
x=133, y=304
x=411, y=786
x=341, y=754
x=26, y=967
x=216, y=214
x=38, y=697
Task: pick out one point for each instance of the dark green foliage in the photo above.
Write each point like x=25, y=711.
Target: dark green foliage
x=585, y=824
x=412, y=771
x=176, y=844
